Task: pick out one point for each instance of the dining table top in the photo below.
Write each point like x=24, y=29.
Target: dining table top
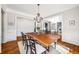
x=46, y=39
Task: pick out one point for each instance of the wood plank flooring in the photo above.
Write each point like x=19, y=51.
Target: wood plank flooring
x=74, y=49
x=10, y=48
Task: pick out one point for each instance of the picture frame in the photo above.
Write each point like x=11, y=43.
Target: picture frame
x=72, y=22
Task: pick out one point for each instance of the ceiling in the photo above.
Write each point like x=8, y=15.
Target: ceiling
x=45, y=9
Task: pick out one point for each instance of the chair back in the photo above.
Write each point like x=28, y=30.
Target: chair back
x=23, y=36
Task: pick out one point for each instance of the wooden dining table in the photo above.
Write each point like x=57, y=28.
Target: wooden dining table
x=45, y=39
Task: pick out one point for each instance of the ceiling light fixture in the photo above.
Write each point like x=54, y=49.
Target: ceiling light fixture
x=38, y=18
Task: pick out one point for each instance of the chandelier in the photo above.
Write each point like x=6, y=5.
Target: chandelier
x=38, y=18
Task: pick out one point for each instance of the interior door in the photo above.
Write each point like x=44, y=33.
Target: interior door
x=59, y=25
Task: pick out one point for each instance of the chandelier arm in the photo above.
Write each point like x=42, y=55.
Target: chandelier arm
x=38, y=7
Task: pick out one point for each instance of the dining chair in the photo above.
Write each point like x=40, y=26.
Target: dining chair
x=25, y=41
x=23, y=38
x=36, y=48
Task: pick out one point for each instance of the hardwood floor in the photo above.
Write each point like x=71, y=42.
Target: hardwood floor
x=74, y=49
x=10, y=48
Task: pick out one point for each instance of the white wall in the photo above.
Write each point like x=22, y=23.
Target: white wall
x=70, y=32
x=11, y=26
x=24, y=25
x=8, y=28
x=0, y=28
x=11, y=22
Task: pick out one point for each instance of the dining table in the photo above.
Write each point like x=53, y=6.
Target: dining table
x=45, y=39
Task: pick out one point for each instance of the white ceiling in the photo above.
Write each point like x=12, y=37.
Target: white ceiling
x=45, y=9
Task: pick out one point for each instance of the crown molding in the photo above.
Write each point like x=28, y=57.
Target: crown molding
x=18, y=12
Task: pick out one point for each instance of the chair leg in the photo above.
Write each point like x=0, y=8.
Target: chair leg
x=33, y=49
x=25, y=46
x=23, y=43
x=55, y=45
x=48, y=48
x=27, y=49
x=44, y=52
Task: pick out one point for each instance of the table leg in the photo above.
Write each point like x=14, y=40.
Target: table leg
x=48, y=48
x=55, y=45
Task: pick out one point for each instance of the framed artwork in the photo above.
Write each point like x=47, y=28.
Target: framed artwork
x=72, y=22
x=11, y=23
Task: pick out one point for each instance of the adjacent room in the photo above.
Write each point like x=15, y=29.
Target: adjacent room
x=39, y=29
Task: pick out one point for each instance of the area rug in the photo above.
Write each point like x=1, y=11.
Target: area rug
x=23, y=50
